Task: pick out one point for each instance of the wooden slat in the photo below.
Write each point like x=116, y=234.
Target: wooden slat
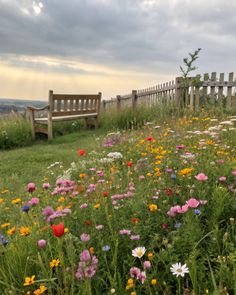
x=59, y=105
x=205, y=85
x=229, y=91
x=221, y=88
x=212, y=92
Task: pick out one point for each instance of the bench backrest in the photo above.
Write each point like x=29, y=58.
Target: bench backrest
x=71, y=104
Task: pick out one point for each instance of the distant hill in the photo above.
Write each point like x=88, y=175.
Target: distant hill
x=18, y=105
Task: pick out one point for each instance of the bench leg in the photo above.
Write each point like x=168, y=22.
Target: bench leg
x=50, y=132
x=96, y=122
x=32, y=125
x=86, y=123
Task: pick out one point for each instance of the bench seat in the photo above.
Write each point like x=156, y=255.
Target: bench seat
x=65, y=107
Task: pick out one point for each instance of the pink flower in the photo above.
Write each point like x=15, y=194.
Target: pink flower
x=135, y=237
x=234, y=172
x=99, y=226
x=33, y=201
x=147, y=264
x=142, y=277
x=85, y=256
x=46, y=185
x=84, y=206
x=85, y=237
x=42, y=243
x=183, y=209
x=125, y=232
x=201, y=177
x=134, y=272
x=193, y=203
x=221, y=161
x=222, y=178
x=31, y=187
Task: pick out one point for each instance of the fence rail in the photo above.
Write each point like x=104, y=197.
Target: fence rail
x=193, y=93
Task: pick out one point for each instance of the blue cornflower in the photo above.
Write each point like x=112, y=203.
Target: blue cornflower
x=25, y=208
x=197, y=211
x=178, y=225
x=173, y=176
x=106, y=248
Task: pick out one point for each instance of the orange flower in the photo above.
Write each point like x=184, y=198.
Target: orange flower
x=24, y=231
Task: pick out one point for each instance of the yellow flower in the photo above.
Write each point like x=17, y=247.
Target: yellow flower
x=133, y=293
x=66, y=230
x=149, y=174
x=153, y=282
x=29, y=281
x=150, y=255
x=152, y=207
x=91, y=250
x=61, y=200
x=54, y=263
x=82, y=175
x=11, y=231
x=5, y=191
x=1, y=200
x=185, y=171
x=130, y=282
x=24, y=231
x=41, y=290
x=5, y=225
x=210, y=142
x=96, y=206
x=16, y=201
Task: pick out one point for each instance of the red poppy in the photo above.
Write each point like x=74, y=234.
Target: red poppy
x=58, y=229
x=165, y=225
x=105, y=194
x=134, y=220
x=88, y=222
x=169, y=192
x=149, y=138
x=81, y=152
x=129, y=164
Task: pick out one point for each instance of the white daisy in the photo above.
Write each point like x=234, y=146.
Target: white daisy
x=179, y=270
x=138, y=252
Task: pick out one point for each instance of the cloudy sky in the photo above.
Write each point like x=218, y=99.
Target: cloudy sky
x=112, y=46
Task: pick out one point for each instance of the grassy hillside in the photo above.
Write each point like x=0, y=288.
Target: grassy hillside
x=146, y=210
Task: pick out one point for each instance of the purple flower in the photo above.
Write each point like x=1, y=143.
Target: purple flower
x=33, y=201
x=25, y=208
x=83, y=206
x=48, y=211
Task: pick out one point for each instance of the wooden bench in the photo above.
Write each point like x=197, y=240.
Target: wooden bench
x=64, y=107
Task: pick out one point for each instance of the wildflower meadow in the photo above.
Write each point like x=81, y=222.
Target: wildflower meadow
x=146, y=211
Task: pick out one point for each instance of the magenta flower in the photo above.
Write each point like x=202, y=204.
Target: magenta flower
x=85, y=256
x=193, y=203
x=42, y=244
x=134, y=272
x=85, y=237
x=48, y=211
x=201, y=177
x=31, y=187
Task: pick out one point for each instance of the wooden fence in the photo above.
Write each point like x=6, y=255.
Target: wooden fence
x=193, y=93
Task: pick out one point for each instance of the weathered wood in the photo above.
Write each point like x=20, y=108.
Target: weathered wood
x=229, y=92
x=64, y=107
x=221, y=88
x=212, y=92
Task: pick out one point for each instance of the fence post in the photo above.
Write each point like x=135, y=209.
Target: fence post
x=134, y=99
x=103, y=106
x=118, y=103
x=178, y=92
x=229, y=91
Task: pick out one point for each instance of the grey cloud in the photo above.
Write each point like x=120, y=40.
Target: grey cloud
x=124, y=33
